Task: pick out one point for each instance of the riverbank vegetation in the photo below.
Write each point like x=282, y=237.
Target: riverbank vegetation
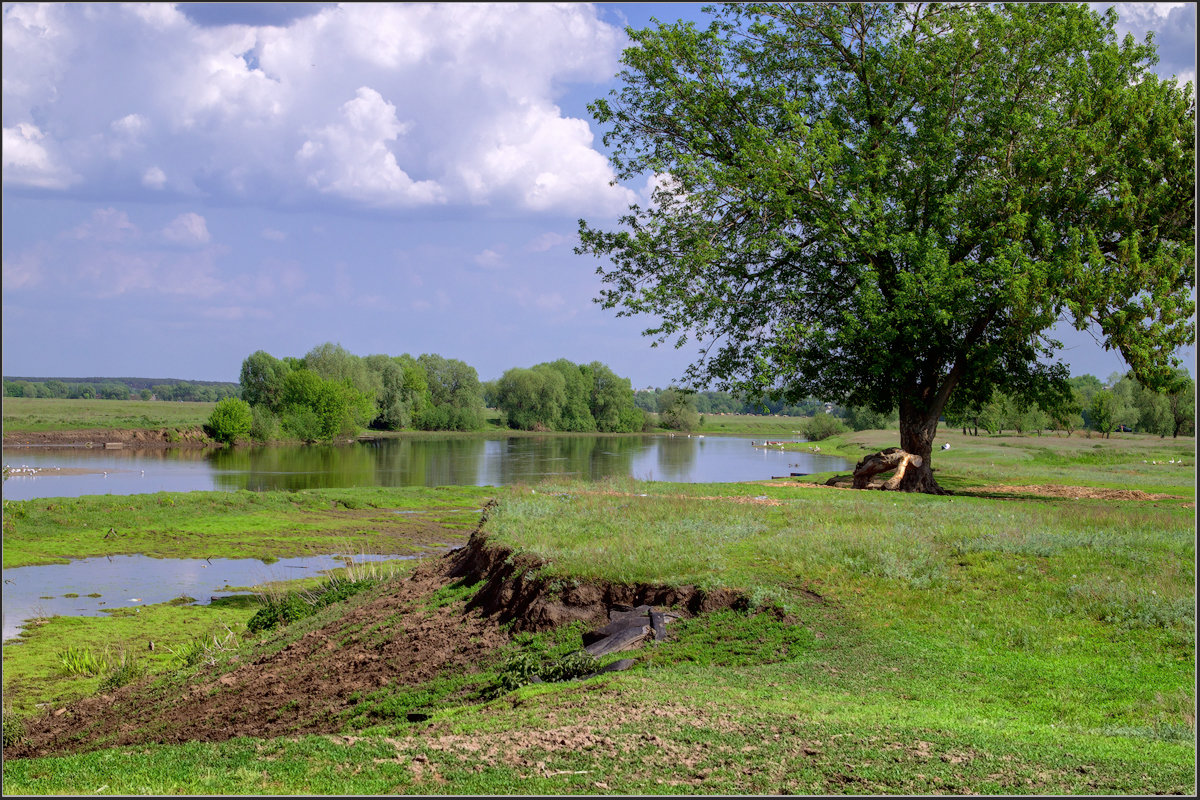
x=332, y=394
x=999, y=640
x=238, y=524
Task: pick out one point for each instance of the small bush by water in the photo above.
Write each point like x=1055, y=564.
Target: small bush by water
x=283, y=610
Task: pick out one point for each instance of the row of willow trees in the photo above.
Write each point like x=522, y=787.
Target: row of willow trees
x=331, y=393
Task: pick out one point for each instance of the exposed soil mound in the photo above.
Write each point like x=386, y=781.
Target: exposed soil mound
x=513, y=592
x=139, y=439
x=395, y=638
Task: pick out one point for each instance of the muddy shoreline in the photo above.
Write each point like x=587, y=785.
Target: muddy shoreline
x=133, y=439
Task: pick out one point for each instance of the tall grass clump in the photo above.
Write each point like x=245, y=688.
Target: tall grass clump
x=81, y=661
x=14, y=728
x=203, y=650
x=1131, y=607
x=122, y=669
x=281, y=609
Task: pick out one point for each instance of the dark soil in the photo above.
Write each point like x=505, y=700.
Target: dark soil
x=395, y=638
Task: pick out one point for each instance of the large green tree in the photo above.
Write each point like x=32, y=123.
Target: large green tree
x=890, y=204
x=455, y=395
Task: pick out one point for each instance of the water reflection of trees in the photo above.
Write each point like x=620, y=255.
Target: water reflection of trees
x=676, y=455
x=383, y=462
x=293, y=468
x=446, y=461
x=529, y=459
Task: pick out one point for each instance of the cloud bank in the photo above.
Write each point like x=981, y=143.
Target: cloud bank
x=388, y=106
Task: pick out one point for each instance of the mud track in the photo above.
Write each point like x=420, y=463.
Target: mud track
x=395, y=638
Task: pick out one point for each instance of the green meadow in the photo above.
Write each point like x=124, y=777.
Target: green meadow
x=60, y=414
x=990, y=641
x=23, y=414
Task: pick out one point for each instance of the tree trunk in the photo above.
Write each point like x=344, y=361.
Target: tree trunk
x=916, y=437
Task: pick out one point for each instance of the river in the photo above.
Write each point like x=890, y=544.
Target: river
x=431, y=460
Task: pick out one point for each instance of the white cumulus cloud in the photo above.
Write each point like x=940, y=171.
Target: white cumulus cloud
x=27, y=161
x=187, y=229
x=386, y=105
x=351, y=157
x=154, y=178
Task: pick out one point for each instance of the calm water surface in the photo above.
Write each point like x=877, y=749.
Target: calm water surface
x=411, y=461
x=125, y=581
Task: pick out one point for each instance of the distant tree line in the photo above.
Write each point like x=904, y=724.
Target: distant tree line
x=120, y=389
x=716, y=402
x=1123, y=404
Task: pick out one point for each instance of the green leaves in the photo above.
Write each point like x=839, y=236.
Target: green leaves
x=887, y=203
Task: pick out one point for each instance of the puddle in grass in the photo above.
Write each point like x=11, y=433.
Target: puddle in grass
x=108, y=582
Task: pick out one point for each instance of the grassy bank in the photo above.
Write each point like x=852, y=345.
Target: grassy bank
x=43, y=414
x=239, y=524
x=1123, y=461
x=999, y=645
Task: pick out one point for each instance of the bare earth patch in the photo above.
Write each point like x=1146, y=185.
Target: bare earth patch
x=1043, y=490
x=1072, y=492
x=394, y=639
x=133, y=439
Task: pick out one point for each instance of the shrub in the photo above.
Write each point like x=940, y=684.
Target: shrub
x=14, y=729
x=264, y=425
x=295, y=606
x=122, y=671
x=231, y=419
x=526, y=667
x=821, y=426
x=279, y=612
x=864, y=419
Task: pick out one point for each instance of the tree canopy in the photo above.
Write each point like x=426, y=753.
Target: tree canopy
x=887, y=204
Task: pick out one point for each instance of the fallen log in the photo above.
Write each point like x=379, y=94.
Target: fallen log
x=887, y=460
x=622, y=640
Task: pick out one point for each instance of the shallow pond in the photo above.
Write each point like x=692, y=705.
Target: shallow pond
x=109, y=582
x=410, y=461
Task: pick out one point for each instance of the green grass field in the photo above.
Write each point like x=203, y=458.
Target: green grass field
x=42, y=414
x=978, y=643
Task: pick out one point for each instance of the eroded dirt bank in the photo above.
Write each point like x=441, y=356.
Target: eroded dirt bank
x=396, y=638
x=98, y=437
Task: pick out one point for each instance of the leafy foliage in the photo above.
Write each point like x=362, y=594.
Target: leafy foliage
x=562, y=396
x=822, y=426
x=282, y=611
x=230, y=420
x=893, y=203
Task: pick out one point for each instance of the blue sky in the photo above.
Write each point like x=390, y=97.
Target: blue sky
x=186, y=184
